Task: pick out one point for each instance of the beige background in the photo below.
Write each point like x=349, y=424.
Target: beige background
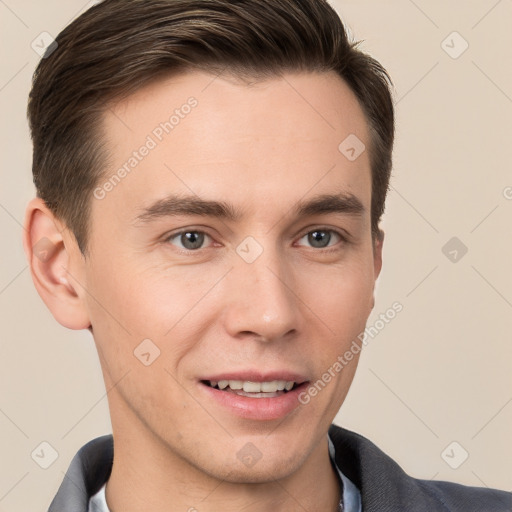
x=439, y=372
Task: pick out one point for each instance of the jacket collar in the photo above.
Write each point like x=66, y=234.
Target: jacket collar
x=88, y=471
x=384, y=486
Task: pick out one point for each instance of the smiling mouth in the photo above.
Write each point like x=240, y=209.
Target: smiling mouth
x=250, y=389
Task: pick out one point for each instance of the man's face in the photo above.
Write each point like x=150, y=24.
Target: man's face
x=270, y=294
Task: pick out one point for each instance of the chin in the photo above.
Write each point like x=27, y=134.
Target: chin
x=260, y=473
x=250, y=466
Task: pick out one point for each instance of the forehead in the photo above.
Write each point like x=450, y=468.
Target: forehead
x=211, y=136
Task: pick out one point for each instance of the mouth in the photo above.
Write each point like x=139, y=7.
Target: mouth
x=255, y=396
x=266, y=389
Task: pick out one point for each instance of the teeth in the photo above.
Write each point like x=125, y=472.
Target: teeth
x=269, y=387
x=254, y=387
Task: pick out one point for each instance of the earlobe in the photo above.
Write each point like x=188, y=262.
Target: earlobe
x=49, y=254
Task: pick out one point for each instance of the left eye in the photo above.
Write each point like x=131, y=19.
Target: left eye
x=190, y=240
x=320, y=238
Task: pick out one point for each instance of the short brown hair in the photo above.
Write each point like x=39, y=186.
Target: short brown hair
x=118, y=46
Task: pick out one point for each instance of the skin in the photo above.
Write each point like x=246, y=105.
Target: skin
x=263, y=148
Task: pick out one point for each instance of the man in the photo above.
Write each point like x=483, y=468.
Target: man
x=210, y=179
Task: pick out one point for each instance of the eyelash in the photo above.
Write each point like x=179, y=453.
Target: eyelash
x=325, y=250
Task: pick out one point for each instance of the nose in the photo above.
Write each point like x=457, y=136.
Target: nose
x=262, y=298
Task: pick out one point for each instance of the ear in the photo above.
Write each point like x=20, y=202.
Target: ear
x=378, y=242
x=51, y=252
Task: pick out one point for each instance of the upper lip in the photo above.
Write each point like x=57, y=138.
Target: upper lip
x=258, y=376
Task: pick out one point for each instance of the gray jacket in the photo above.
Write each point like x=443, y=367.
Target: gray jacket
x=383, y=484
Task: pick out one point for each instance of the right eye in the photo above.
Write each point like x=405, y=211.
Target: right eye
x=189, y=240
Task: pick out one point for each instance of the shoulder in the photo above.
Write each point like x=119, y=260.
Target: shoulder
x=385, y=487
x=88, y=471
x=468, y=499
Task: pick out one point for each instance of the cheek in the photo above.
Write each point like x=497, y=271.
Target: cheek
x=340, y=295
x=129, y=304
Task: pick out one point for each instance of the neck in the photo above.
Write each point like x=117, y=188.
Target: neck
x=148, y=475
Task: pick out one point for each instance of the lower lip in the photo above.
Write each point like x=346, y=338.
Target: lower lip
x=256, y=408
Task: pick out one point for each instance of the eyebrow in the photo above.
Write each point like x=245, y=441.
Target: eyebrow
x=175, y=205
